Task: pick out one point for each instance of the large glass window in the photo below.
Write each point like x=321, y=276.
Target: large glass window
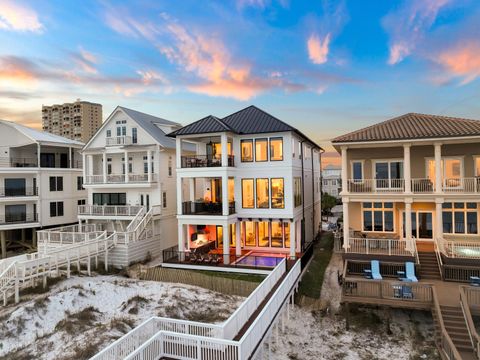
x=297, y=191
x=248, y=200
x=246, y=150
x=451, y=171
x=263, y=234
x=460, y=218
x=277, y=234
x=278, y=197
x=109, y=199
x=263, y=198
x=250, y=233
x=261, y=150
x=134, y=135
x=15, y=187
x=388, y=174
x=378, y=216
x=276, y=149
x=357, y=170
x=15, y=213
x=286, y=229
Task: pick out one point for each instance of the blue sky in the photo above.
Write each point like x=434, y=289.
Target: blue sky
x=327, y=67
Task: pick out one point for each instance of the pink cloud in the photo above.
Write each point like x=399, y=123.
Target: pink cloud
x=408, y=24
x=461, y=60
x=318, y=49
x=15, y=16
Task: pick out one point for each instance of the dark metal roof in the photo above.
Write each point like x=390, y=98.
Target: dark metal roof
x=250, y=120
x=414, y=126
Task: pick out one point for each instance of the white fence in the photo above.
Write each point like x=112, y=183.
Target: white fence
x=109, y=210
x=459, y=248
x=380, y=247
x=376, y=185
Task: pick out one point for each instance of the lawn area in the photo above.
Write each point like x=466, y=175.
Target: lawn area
x=312, y=281
x=236, y=276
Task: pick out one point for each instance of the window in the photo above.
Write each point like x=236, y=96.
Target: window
x=277, y=234
x=16, y=187
x=134, y=135
x=293, y=148
x=109, y=133
x=246, y=150
x=164, y=199
x=261, y=150
x=81, y=202
x=170, y=168
x=56, y=183
x=278, y=199
x=263, y=199
x=263, y=234
x=297, y=191
x=56, y=208
x=460, y=218
x=451, y=171
x=109, y=199
x=250, y=233
x=388, y=174
x=276, y=149
x=79, y=182
x=109, y=166
x=357, y=171
x=378, y=216
x=477, y=166
x=248, y=201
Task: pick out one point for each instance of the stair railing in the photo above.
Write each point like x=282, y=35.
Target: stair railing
x=446, y=344
x=439, y=257
x=472, y=331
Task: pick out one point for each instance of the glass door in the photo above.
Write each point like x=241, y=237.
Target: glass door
x=422, y=225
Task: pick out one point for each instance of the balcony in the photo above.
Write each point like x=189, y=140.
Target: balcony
x=119, y=141
x=376, y=185
x=26, y=162
x=119, y=179
x=205, y=208
x=19, y=192
x=108, y=210
x=20, y=218
x=201, y=161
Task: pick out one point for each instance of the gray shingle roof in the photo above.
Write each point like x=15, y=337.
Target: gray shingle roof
x=250, y=120
x=414, y=126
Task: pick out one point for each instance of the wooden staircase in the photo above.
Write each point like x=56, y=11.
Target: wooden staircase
x=429, y=269
x=456, y=327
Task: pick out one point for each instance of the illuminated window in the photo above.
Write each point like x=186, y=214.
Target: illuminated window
x=297, y=191
x=231, y=190
x=286, y=231
x=263, y=200
x=278, y=199
x=248, y=201
x=451, y=170
x=261, y=150
x=250, y=233
x=247, y=150
x=276, y=149
x=277, y=234
x=263, y=234
x=460, y=218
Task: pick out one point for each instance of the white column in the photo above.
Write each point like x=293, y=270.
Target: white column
x=84, y=167
x=346, y=225
x=224, y=194
x=149, y=166
x=238, y=239
x=70, y=157
x=125, y=157
x=181, y=237
x=179, y=195
x=191, y=183
x=407, y=174
x=226, y=244
x=293, y=239
x=90, y=165
x=438, y=168
x=104, y=167
x=178, y=153
x=438, y=229
x=224, y=141
x=344, y=170
x=408, y=225
x=38, y=155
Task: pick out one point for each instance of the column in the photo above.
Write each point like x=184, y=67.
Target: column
x=125, y=157
x=178, y=153
x=191, y=193
x=226, y=244
x=84, y=167
x=38, y=155
x=238, y=238
x=225, y=195
x=344, y=170
x=90, y=165
x=34, y=238
x=70, y=157
x=438, y=229
x=224, y=141
x=149, y=166
x=3, y=244
x=104, y=167
x=23, y=235
x=181, y=237
x=407, y=168
x=179, y=195
x=346, y=224
x=293, y=239
x=408, y=225
x=438, y=168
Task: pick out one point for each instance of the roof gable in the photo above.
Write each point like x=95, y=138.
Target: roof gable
x=413, y=126
x=209, y=124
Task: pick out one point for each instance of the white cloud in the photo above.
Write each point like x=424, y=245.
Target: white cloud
x=318, y=48
x=15, y=16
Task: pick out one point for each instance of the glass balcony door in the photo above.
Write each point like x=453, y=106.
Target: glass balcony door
x=388, y=174
x=422, y=225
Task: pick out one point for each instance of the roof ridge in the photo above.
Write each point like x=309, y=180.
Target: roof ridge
x=261, y=110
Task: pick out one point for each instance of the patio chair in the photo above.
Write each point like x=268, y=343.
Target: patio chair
x=410, y=271
x=375, y=264
x=474, y=281
x=407, y=292
x=207, y=259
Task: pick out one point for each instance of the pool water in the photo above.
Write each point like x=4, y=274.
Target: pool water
x=259, y=261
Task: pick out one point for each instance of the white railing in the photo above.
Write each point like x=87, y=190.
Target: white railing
x=119, y=140
x=470, y=298
x=376, y=185
x=459, y=248
x=462, y=185
x=109, y=210
x=136, y=220
x=380, y=247
x=228, y=330
x=119, y=178
x=423, y=185
x=93, y=179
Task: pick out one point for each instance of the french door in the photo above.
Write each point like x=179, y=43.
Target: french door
x=422, y=225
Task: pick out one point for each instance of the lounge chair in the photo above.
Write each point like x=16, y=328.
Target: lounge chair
x=376, y=270
x=410, y=272
x=474, y=280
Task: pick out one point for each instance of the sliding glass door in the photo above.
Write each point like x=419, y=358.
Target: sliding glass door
x=389, y=174
x=422, y=225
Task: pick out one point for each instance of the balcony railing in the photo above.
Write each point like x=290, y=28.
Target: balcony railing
x=200, y=161
x=205, y=208
x=119, y=140
x=376, y=185
x=460, y=249
x=390, y=247
x=119, y=179
x=26, y=162
x=18, y=218
x=7, y=192
x=108, y=210
x=462, y=185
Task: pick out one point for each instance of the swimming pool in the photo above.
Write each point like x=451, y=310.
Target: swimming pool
x=260, y=260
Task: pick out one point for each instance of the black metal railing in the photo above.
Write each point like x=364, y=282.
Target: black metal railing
x=6, y=192
x=199, y=161
x=18, y=218
x=206, y=208
x=23, y=162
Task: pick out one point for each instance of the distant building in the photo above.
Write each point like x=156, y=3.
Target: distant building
x=79, y=120
x=332, y=180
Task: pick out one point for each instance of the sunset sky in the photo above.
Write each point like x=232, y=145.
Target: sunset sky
x=326, y=67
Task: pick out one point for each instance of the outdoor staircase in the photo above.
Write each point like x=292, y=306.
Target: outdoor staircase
x=456, y=327
x=429, y=269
